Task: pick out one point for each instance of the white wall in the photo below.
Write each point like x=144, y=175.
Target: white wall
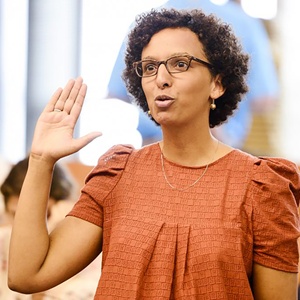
x=13, y=78
x=289, y=43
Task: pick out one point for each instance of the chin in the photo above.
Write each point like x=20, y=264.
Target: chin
x=166, y=122
x=162, y=118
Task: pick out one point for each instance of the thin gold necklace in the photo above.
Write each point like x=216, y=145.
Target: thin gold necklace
x=191, y=185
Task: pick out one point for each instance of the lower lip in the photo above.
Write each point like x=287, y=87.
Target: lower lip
x=163, y=104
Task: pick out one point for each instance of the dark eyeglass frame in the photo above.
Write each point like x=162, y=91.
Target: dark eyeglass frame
x=165, y=62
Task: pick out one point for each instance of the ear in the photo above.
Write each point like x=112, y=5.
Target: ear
x=217, y=88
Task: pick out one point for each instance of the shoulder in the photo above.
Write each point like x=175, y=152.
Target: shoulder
x=267, y=173
x=278, y=174
x=113, y=159
x=116, y=152
x=268, y=166
x=117, y=157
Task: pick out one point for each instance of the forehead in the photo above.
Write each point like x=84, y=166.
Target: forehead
x=170, y=41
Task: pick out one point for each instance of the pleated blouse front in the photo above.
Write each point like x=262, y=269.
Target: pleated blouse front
x=190, y=243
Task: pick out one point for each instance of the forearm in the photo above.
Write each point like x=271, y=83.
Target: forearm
x=30, y=240
x=36, y=261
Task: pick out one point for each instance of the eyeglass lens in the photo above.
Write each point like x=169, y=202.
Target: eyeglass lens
x=175, y=64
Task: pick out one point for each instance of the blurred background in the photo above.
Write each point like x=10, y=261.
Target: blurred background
x=44, y=43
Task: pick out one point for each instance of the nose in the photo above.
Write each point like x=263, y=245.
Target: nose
x=163, y=77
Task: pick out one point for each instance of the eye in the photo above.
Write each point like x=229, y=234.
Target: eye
x=149, y=67
x=182, y=64
x=178, y=64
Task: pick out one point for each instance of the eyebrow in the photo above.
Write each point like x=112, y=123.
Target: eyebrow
x=174, y=54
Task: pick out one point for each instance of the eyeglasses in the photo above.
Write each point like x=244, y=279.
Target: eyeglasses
x=174, y=64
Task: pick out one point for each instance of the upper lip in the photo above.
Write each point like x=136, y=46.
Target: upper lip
x=163, y=97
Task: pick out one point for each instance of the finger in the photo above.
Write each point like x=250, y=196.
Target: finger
x=51, y=104
x=64, y=95
x=74, y=93
x=78, y=103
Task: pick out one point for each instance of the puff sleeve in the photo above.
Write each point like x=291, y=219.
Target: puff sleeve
x=275, y=199
x=100, y=183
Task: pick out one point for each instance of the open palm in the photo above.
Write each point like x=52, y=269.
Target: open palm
x=53, y=136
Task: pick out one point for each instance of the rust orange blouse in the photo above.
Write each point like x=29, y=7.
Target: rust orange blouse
x=198, y=243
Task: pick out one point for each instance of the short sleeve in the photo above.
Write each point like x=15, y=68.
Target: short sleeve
x=275, y=196
x=100, y=183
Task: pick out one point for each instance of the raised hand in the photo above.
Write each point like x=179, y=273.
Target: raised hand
x=53, y=136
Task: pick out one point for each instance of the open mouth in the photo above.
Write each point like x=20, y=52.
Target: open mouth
x=163, y=101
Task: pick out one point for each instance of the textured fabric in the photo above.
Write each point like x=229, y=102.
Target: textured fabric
x=199, y=243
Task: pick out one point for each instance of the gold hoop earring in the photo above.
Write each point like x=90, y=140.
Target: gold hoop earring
x=149, y=112
x=213, y=105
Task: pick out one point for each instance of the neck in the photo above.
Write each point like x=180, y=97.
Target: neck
x=189, y=150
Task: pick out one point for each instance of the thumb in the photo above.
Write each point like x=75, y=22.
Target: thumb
x=86, y=139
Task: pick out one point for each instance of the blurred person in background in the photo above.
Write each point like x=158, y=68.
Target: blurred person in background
x=5, y=167
x=262, y=79
x=61, y=191
x=59, y=204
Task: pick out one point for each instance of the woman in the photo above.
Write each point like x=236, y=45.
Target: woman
x=186, y=218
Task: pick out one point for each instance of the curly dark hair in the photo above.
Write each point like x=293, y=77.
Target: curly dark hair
x=222, y=49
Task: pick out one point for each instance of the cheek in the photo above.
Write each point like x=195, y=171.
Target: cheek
x=148, y=91
x=144, y=86
x=196, y=89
